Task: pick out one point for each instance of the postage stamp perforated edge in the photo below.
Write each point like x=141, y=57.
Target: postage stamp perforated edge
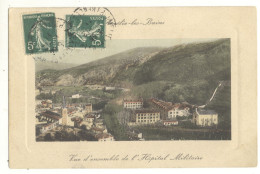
x=40, y=32
x=81, y=34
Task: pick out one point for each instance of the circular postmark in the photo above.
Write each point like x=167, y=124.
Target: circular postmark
x=89, y=27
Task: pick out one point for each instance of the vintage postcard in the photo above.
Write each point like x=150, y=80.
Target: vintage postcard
x=132, y=87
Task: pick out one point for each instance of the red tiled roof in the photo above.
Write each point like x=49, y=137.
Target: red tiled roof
x=162, y=104
x=51, y=115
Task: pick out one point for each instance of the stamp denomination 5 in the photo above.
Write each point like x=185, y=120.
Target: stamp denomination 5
x=86, y=31
x=40, y=33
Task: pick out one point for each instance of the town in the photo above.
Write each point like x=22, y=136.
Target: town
x=80, y=122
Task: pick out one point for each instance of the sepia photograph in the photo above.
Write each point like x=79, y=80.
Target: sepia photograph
x=137, y=90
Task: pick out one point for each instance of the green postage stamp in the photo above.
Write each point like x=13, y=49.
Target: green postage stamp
x=40, y=33
x=87, y=31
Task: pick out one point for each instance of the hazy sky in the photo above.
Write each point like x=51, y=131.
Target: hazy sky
x=82, y=55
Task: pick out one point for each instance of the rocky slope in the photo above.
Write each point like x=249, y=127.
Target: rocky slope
x=102, y=71
x=190, y=63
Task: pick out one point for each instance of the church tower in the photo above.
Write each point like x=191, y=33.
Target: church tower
x=64, y=112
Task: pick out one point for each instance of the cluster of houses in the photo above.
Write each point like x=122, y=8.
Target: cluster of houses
x=168, y=113
x=46, y=103
x=78, y=116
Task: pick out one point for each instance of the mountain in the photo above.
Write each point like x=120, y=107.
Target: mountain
x=186, y=72
x=102, y=71
x=187, y=63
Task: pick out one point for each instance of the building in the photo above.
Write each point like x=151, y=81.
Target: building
x=164, y=107
x=179, y=110
x=89, y=118
x=50, y=117
x=76, y=96
x=170, y=122
x=37, y=92
x=104, y=137
x=109, y=88
x=203, y=117
x=146, y=116
x=88, y=108
x=168, y=110
x=76, y=113
x=46, y=103
x=99, y=123
x=133, y=104
x=42, y=128
x=64, y=113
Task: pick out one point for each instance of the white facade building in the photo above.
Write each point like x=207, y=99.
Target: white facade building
x=170, y=122
x=76, y=96
x=133, y=104
x=146, y=116
x=176, y=111
x=205, y=117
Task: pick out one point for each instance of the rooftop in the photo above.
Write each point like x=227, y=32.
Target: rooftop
x=162, y=104
x=134, y=100
x=51, y=115
x=77, y=119
x=43, y=125
x=89, y=116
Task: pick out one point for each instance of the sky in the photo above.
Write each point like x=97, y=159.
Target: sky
x=85, y=55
